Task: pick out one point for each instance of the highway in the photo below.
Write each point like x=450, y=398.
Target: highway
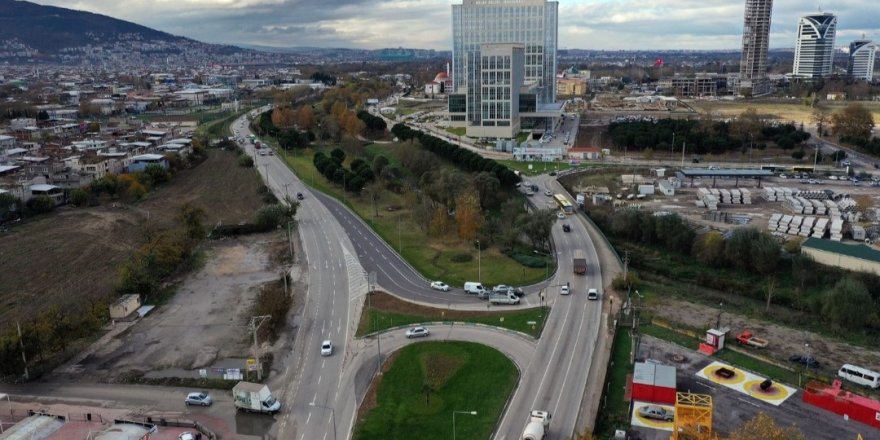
x=554, y=380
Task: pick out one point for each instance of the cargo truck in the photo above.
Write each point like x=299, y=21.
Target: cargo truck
x=254, y=397
x=503, y=298
x=580, y=262
x=538, y=427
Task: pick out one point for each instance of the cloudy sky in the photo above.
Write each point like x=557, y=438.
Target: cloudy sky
x=584, y=24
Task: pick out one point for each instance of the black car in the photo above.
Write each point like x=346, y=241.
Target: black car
x=299, y=196
x=566, y=228
x=552, y=173
x=517, y=291
x=807, y=361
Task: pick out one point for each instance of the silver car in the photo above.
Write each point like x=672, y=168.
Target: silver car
x=201, y=399
x=417, y=332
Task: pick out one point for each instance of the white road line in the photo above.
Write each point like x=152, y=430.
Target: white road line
x=309, y=418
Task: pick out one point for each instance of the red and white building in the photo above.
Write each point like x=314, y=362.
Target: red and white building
x=654, y=383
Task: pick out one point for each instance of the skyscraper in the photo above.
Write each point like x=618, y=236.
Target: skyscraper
x=861, y=59
x=814, y=49
x=501, y=27
x=756, y=40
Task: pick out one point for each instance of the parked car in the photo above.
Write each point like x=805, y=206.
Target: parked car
x=560, y=215
x=198, y=398
x=592, y=294
x=417, y=332
x=299, y=196
x=564, y=290
x=553, y=173
x=501, y=288
x=656, y=412
x=326, y=348
x=548, y=193
x=186, y=436
x=805, y=360
x=517, y=291
x=440, y=285
x=566, y=228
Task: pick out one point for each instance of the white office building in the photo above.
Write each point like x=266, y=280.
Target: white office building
x=861, y=59
x=509, y=30
x=814, y=49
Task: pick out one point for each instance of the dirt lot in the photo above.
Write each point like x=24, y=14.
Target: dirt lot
x=733, y=408
x=206, y=320
x=71, y=255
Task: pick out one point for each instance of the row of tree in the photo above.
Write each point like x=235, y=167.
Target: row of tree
x=463, y=158
x=705, y=136
x=331, y=167
x=750, y=263
x=374, y=123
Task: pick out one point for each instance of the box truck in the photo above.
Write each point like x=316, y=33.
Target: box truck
x=580, y=262
x=254, y=397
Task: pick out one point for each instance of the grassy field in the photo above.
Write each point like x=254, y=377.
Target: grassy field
x=425, y=382
x=387, y=311
x=70, y=256
x=458, y=131
x=615, y=410
x=431, y=256
x=791, y=111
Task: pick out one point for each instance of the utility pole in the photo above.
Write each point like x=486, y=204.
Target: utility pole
x=479, y=263
x=254, y=325
x=289, y=242
x=23, y=357
x=683, y=144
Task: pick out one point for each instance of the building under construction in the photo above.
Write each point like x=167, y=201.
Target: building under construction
x=756, y=41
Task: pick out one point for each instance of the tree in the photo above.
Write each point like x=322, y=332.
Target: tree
x=820, y=118
x=305, y=118
x=853, y=121
x=849, y=305
x=283, y=117
x=191, y=217
x=41, y=204
x=79, y=197
x=762, y=427
x=245, y=161
x=489, y=189
x=709, y=249
x=468, y=215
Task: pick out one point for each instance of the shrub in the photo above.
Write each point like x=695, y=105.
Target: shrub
x=41, y=204
x=79, y=197
x=246, y=161
x=461, y=257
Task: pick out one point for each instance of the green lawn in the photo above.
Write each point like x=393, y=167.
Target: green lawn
x=615, y=412
x=519, y=320
x=431, y=256
x=458, y=131
x=427, y=381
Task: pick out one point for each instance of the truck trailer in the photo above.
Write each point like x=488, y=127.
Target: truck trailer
x=538, y=427
x=580, y=262
x=254, y=397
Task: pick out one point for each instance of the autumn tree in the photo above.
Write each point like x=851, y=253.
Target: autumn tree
x=305, y=118
x=762, y=427
x=468, y=216
x=283, y=117
x=440, y=223
x=853, y=121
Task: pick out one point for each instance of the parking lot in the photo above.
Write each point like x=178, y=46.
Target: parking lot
x=732, y=408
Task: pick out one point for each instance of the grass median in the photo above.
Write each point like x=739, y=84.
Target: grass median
x=424, y=383
x=436, y=258
x=387, y=311
x=615, y=410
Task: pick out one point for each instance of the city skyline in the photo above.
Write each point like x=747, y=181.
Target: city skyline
x=372, y=24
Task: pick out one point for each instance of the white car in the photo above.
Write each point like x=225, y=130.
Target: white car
x=548, y=193
x=326, y=348
x=501, y=288
x=439, y=285
x=417, y=332
x=564, y=290
x=592, y=294
x=201, y=399
x=560, y=216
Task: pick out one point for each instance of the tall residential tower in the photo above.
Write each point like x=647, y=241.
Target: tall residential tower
x=861, y=59
x=503, y=66
x=814, y=49
x=756, y=40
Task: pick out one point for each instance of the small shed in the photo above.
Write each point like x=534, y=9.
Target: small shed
x=654, y=383
x=125, y=306
x=666, y=188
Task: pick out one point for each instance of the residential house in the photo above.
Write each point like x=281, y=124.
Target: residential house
x=140, y=163
x=584, y=153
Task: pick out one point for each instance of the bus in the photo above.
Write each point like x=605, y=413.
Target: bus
x=774, y=168
x=564, y=205
x=802, y=169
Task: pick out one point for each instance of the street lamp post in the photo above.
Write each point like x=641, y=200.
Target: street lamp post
x=332, y=415
x=479, y=263
x=473, y=413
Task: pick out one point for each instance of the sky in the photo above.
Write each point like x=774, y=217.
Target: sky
x=373, y=24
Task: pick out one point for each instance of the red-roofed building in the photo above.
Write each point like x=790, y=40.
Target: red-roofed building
x=584, y=153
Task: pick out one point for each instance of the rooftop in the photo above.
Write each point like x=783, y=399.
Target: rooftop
x=860, y=251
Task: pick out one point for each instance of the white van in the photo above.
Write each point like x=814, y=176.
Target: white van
x=859, y=375
x=474, y=287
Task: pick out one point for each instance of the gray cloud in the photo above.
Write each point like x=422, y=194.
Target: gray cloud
x=586, y=24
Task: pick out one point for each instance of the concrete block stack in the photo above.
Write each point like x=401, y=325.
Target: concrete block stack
x=783, y=223
x=746, y=196
x=820, y=228
x=807, y=226
x=819, y=207
x=847, y=205
x=837, y=229
x=724, y=196
x=795, y=226
x=770, y=194
x=832, y=208
x=773, y=224
x=709, y=199
x=793, y=205
x=807, y=205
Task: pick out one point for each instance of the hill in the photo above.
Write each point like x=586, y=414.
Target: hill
x=50, y=29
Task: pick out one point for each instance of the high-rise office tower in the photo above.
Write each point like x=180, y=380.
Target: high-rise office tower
x=502, y=26
x=756, y=41
x=814, y=49
x=861, y=59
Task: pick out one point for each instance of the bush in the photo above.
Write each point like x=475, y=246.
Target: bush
x=529, y=260
x=79, y=197
x=246, y=161
x=41, y=204
x=461, y=258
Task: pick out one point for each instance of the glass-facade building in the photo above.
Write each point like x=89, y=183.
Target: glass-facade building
x=814, y=49
x=861, y=59
x=486, y=23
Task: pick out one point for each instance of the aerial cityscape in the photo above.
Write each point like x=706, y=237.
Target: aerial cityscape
x=473, y=219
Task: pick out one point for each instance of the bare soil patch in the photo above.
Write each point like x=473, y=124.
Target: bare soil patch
x=70, y=257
